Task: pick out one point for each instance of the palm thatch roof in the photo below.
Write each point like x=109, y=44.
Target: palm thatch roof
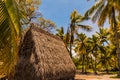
x=43, y=56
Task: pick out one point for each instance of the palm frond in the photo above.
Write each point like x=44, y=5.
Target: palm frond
x=93, y=8
x=75, y=16
x=98, y=11
x=12, y=13
x=104, y=15
x=85, y=27
x=9, y=36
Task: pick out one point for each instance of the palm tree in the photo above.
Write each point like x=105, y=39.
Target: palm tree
x=12, y=13
x=94, y=49
x=102, y=10
x=103, y=35
x=81, y=49
x=60, y=32
x=10, y=32
x=107, y=57
x=76, y=18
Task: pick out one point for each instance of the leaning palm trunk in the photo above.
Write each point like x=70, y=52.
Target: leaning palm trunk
x=117, y=39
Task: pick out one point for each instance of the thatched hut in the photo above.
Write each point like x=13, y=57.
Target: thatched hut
x=43, y=56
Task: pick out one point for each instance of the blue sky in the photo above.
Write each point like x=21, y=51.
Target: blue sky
x=59, y=12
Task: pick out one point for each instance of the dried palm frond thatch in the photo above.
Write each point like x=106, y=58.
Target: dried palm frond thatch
x=43, y=56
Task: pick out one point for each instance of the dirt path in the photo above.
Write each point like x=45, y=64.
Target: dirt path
x=95, y=77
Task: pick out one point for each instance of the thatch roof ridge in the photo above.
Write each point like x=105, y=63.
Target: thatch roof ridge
x=38, y=29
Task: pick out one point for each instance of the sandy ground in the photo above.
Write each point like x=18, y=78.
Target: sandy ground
x=95, y=77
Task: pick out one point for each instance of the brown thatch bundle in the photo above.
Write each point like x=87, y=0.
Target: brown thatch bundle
x=43, y=56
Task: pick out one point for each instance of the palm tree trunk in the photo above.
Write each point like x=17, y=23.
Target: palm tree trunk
x=117, y=41
x=106, y=64
x=92, y=63
x=95, y=67
x=71, y=42
x=107, y=71
x=83, y=63
x=86, y=63
x=95, y=70
x=70, y=49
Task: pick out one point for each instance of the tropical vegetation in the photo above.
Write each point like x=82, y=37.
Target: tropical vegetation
x=97, y=53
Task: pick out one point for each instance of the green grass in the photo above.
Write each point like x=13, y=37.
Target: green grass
x=115, y=77
x=90, y=70
x=113, y=72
